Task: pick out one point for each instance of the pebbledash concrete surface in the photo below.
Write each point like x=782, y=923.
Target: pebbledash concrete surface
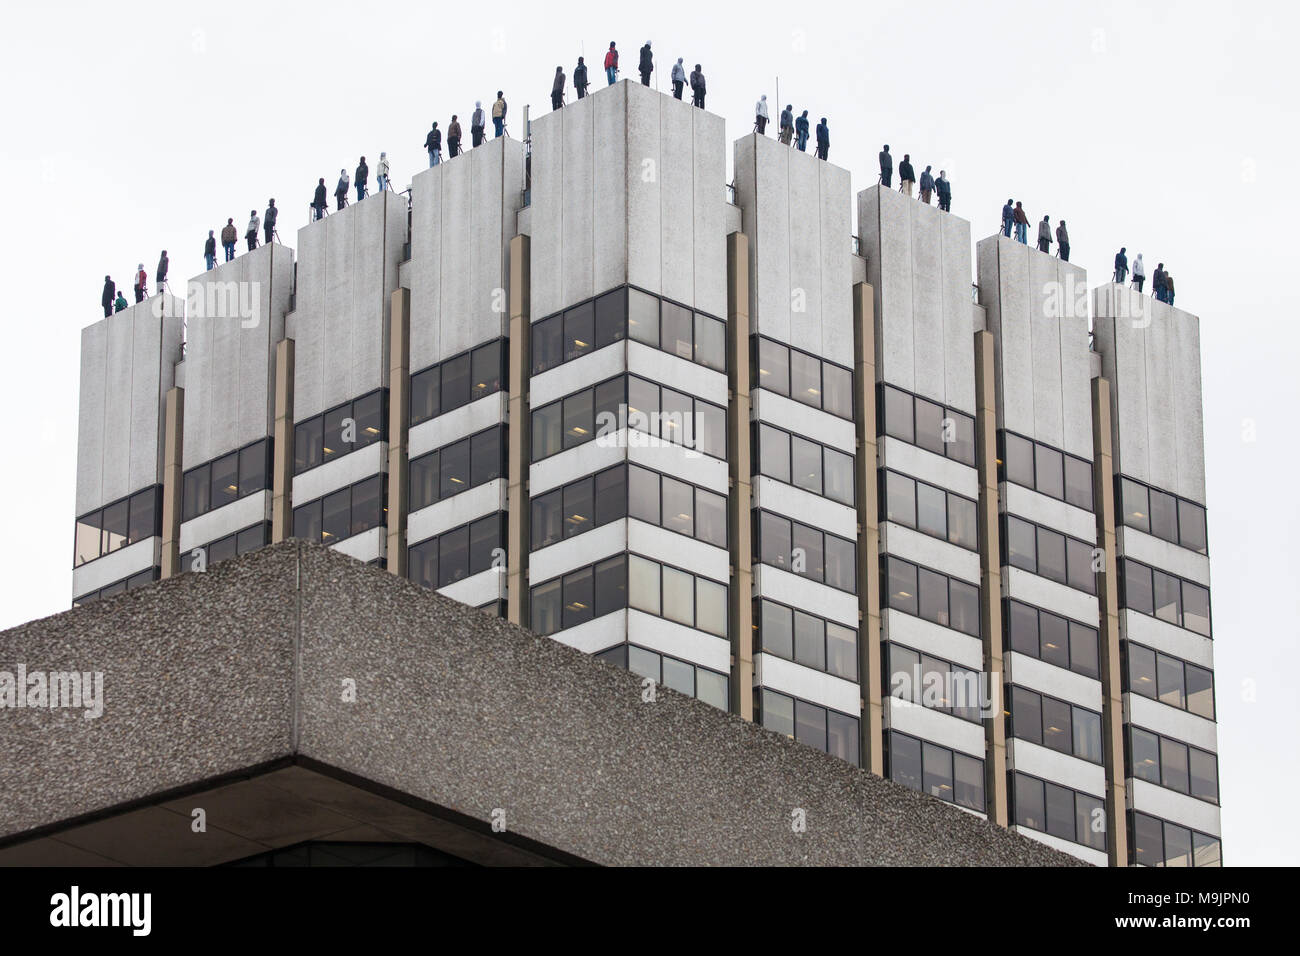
x=225, y=691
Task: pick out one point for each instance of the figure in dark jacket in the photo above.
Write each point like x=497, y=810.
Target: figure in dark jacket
x=433, y=143
x=1045, y=235
x=120, y=305
x=580, y=78
x=341, y=190
x=210, y=250
x=229, y=236
x=786, y=131
x=823, y=140
x=1008, y=218
x=363, y=174
x=1121, y=265
x=162, y=271
x=906, y=175
x=647, y=64
x=886, y=168
x=110, y=293
x=320, y=200
x=453, y=137
x=944, y=188
x=268, y=221
x=1062, y=242
x=697, y=86
x=557, y=89
x=801, y=132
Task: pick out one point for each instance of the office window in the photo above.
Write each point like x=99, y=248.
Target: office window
x=454, y=469
x=144, y=518
x=1084, y=651
x=1148, y=841
x=1048, y=472
x=1078, y=555
x=547, y=430
x=1173, y=765
x=931, y=510
x=643, y=584
x=116, y=524
x=900, y=499
x=774, y=540
x=810, y=724
x=1167, y=597
x=842, y=736
x=1200, y=691
x=1203, y=769
x=485, y=456
x=968, y=782
x=902, y=585
x=1090, y=821
x=903, y=670
x=611, y=495
x=643, y=317
x=485, y=543
x=807, y=550
x=1022, y=623
x=841, y=564
x=1138, y=594
x=644, y=663
x=579, y=599
x=1059, y=807
x=837, y=384
x=774, y=453
x=1051, y=555
x=307, y=521
x=1078, y=482
x=675, y=417
x=426, y=396
x=611, y=585
x=898, y=414
x=964, y=607
x=547, y=526
x=1137, y=512
x=608, y=407
x=88, y=537
x=1144, y=755
x=367, y=505
x=711, y=606
x=678, y=502
x=368, y=420
x=778, y=713
x=905, y=760
x=334, y=426
x=675, y=330
x=453, y=556
x=1057, y=732
x=308, y=439
x=546, y=607
x=225, y=480
x=678, y=676
x=933, y=591
x=252, y=468
x=547, y=344
x=1141, y=670
x=1178, y=845
x=642, y=405
x=679, y=596
x=773, y=367
x=1191, y=526
x=1205, y=850
x=1169, y=682
x=710, y=343
x=1087, y=734
x=776, y=634
x=579, y=506
x=962, y=446
x=643, y=495
x=579, y=331
x=962, y=527
x=805, y=379
x=611, y=317
x=579, y=418
x=930, y=426
x=1053, y=639
x=336, y=519
x=1020, y=544
x=710, y=430
x=809, y=641
x=1018, y=459
x=807, y=464
x=1196, y=608
x=838, y=476
x=1164, y=515
x=711, y=517
x=936, y=765
x=456, y=382
x=1027, y=715
x=841, y=651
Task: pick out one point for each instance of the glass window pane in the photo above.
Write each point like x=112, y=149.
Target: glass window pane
x=838, y=390
x=934, y=683
x=485, y=369
x=774, y=540
x=547, y=343
x=1078, y=482
x=252, y=468
x=1141, y=670
x=1173, y=764
x=89, y=535
x=1027, y=715
x=968, y=782
x=805, y=379
x=1022, y=622
x=807, y=557
x=809, y=641
x=937, y=764
x=453, y=556
x=679, y=596
x=308, y=440
x=678, y=501
x=1018, y=460
x=1169, y=682
x=611, y=585
x=143, y=520
x=1137, y=588
x=578, y=506
x=933, y=596
x=711, y=430
x=776, y=634
x=1196, y=608
x=1148, y=841
x=1191, y=526
x=778, y=713
x=902, y=585
x=675, y=330
x=485, y=457
x=1051, y=555
x=1083, y=650
x=225, y=480
x=773, y=367
x=609, y=411
x=898, y=414
x=929, y=426
x=1048, y=475
x=547, y=526
x=711, y=518
x=368, y=419
x=841, y=651
x=774, y=453
x=1054, y=639
x=1059, y=804
x=455, y=382
x=643, y=584
x=961, y=447
x=547, y=430
x=711, y=606
x=485, y=544
x=1144, y=752
x=336, y=516
x=1205, y=850
x=679, y=676
x=1204, y=773
x=579, y=599
x=545, y=608
x=1168, y=597
x=904, y=673
x=1087, y=734
x=1178, y=845
x=1089, y=821
x=711, y=688
x=900, y=499
x=842, y=736
x=710, y=342
x=964, y=607
x=642, y=405
x=196, y=493
x=1164, y=515
x=1078, y=557
x=841, y=564
x=1057, y=731
x=675, y=412
x=1030, y=810
x=116, y=521
x=905, y=760
x=367, y=504
x=1200, y=691
x=579, y=418
x=1137, y=513
x=931, y=510
x=643, y=317
x=218, y=551
x=962, y=523
x=838, y=476
x=307, y=522
x=610, y=316
x=643, y=663
x=579, y=330
x=611, y=495
x=250, y=539
x=454, y=469
x=807, y=468
x=426, y=395
x=1020, y=544
x=643, y=494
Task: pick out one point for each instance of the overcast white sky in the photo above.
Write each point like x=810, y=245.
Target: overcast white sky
x=1170, y=128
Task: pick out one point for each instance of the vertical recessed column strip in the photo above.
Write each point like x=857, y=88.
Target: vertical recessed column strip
x=173, y=439
x=283, y=447
x=872, y=736
x=399, y=385
x=1112, y=711
x=986, y=463
x=741, y=491
x=517, y=531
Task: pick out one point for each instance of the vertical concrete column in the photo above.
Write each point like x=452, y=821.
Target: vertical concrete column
x=518, y=525
x=741, y=494
x=399, y=421
x=282, y=460
x=986, y=464
x=864, y=414
x=1112, y=709
x=173, y=439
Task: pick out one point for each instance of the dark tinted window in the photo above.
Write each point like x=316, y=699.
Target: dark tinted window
x=485, y=369
x=579, y=331
x=426, y=395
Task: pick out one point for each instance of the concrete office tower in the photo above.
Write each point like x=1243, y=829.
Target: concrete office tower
x=1151, y=356
x=234, y=322
x=1052, y=659
x=918, y=266
x=795, y=211
x=628, y=478
x=347, y=272
x=127, y=368
x=463, y=218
